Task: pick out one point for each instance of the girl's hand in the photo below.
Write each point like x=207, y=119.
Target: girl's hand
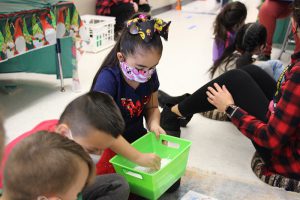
x=157, y=129
x=150, y=160
x=219, y=97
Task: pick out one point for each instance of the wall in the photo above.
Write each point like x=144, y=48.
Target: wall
x=160, y=3
x=88, y=6
x=85, y=6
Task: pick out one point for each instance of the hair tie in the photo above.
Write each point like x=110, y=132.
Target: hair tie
x=147, y=27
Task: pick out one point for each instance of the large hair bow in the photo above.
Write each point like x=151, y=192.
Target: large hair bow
x=147, y=27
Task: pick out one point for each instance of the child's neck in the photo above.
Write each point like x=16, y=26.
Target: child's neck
x=133, y=84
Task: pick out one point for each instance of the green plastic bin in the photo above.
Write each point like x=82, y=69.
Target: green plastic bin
x=153, y=185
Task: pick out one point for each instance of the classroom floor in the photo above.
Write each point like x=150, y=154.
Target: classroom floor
x=219, y=151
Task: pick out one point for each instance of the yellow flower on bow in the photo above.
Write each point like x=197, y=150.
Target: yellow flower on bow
x=142, y=34
x=148, y=31
x=158, y=25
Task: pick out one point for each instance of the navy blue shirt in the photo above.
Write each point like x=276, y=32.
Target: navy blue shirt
x=131, y=101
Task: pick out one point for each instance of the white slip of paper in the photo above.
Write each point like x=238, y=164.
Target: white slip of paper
x=192, y=195
x=163, y=163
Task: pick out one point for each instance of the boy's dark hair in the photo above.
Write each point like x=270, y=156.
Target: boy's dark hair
x=232, y=14
x=44, y=164
x=249, y=37
x=296, y=11
x=129, y=44
x=93, y=110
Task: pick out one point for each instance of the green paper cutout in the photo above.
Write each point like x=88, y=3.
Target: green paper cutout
x=26, y=34
x=8, y=36
x=35, y=27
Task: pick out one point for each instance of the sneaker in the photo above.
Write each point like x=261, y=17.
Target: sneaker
x=169, y=121
x=165, y=99
x=263, y=57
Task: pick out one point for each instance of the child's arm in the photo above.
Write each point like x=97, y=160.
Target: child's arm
x=153, y=115
x=122, y=147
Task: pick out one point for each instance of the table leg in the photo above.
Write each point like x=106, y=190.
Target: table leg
x=61, y=75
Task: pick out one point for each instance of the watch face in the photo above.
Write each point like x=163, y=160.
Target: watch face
x=229, y=110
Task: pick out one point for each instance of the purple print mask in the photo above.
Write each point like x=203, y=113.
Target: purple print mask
x=134, y=74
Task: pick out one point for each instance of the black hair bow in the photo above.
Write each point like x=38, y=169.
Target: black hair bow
x=147, y=27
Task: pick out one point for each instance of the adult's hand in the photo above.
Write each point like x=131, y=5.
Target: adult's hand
x=220, y=97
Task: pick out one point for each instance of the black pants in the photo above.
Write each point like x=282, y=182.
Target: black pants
x=251, y=88
x=123, y=12
x=107, y=187
x=223, y=2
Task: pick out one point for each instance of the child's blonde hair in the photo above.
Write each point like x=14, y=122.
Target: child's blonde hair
x=42, y=164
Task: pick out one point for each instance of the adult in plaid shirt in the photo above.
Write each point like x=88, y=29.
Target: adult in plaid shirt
x=268, y=113
x=121, y=9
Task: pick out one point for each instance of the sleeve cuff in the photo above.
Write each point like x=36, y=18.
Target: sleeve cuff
x=237, y=116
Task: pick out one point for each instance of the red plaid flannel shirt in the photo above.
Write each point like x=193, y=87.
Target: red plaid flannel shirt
x=282, y=132
x=103, y=6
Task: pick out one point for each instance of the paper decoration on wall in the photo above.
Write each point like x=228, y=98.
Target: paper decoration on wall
x=61, y=27
x=2, y=50
x=53, y=18
x=49, y=31
x=27, y=36
x=68, y=22
x=9, y=42
x=38, y=35
x=20, y=41
x=24, y=31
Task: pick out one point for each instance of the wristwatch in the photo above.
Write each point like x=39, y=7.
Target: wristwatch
x=230, y=110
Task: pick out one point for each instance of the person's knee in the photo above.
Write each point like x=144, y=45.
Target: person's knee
x=235, y=78
x=235, y=74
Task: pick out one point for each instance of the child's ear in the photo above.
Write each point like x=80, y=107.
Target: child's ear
x=63, y=130
x=120, y=57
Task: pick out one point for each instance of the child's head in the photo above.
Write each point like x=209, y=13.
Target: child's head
x=231, y=17
x=46, y=166
x=250, y=39
x=138, y=49
x=93, y=120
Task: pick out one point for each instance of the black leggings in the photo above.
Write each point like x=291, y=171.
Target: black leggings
x=122, y=12
x=223, y=2
x=251, y=88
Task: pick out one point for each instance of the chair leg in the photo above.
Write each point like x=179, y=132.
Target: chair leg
x=286, y=40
